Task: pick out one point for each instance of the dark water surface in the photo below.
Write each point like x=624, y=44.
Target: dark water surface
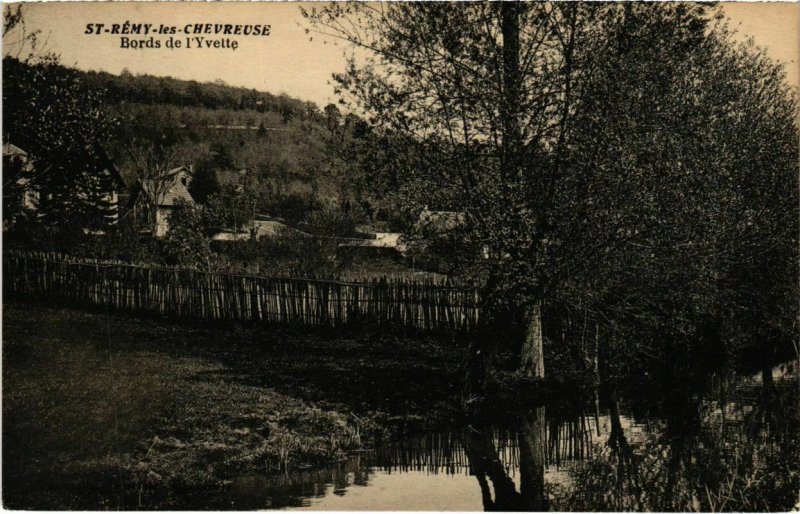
x=731, y=444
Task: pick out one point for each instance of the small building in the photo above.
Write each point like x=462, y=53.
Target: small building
x=268, y=228
x=260, y=227
x=163, y=196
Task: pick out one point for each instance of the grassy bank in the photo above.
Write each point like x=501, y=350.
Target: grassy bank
x=109, y=411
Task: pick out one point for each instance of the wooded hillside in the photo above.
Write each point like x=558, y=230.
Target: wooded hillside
x=278, y=140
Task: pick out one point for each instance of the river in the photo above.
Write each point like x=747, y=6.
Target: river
x=730, y=445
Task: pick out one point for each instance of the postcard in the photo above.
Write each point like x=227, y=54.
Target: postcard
x=401, y=256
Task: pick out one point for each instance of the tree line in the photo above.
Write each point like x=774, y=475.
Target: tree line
x=148, y=89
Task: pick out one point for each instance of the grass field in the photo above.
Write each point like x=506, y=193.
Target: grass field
x=110, y=411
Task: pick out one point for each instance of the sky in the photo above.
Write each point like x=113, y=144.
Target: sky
x=288, y=60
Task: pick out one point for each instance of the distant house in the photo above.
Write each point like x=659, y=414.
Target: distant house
x=17, y=170
x=260, y=227
x=21, y=170
x=266, y=227
x=263, y=225
x=390, y=240
x=163, y=196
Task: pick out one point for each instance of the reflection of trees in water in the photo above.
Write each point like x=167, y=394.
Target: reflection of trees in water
x=622, y=458
x=293, y=489
x=433, y=453
x=566, y=439
x=733, y=448
x=497, y=457
x=569, y=439
x=508, y=464
x=486, y=465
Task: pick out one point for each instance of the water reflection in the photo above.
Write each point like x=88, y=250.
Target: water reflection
x=732, y=446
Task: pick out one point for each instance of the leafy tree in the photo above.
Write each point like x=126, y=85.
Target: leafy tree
x=231, y=209
x=221, y=158
x=187, y=243
x=152, y=165
x=715, y=171
x=331, y=221
x=204, y=183
x=368, y=166
x=572, y=136
x=262, y=130
x=332, y=118
x=49, y=114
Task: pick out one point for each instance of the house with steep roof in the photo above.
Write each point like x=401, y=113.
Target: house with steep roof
x=157, y=199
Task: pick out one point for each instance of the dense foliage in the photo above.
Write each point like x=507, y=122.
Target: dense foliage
x=62, y=127
x=631, y=166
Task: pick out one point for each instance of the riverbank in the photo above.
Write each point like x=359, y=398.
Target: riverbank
x=107, y=411
x=110, y=411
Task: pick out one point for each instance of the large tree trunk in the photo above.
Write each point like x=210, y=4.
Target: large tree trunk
x=532, y=439
x=482, y=345
x=532, y=355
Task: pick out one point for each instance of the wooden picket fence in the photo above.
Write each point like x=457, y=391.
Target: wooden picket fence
x=220, y=296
